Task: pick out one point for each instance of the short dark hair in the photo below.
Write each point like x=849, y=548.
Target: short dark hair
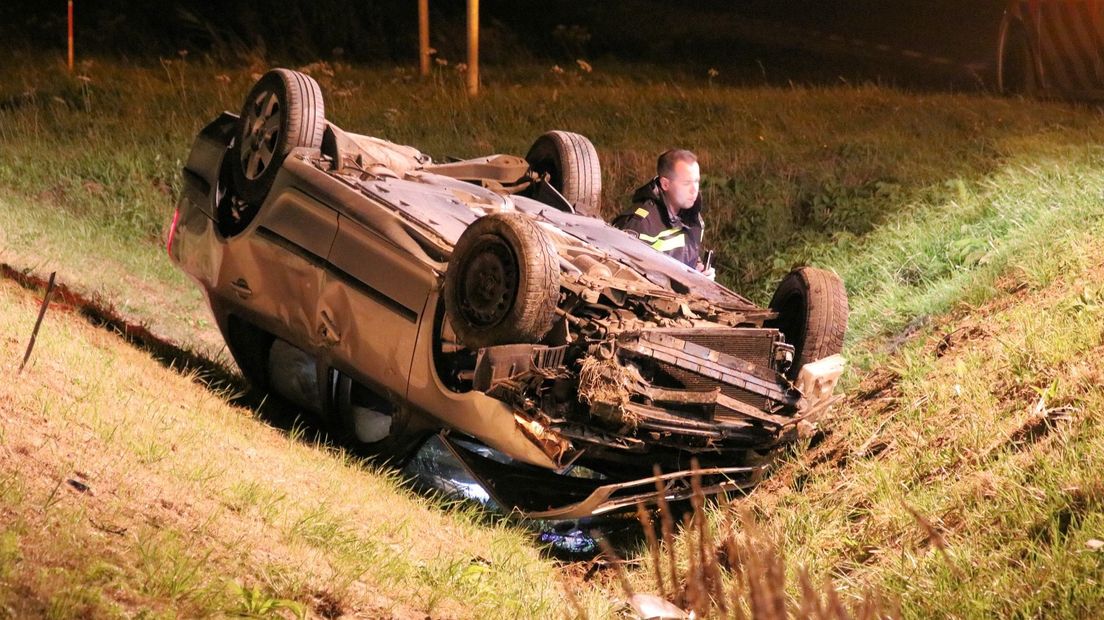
x=665, y=165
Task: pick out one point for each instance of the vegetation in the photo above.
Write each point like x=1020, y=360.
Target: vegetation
x=958, y=477
x=128, y=488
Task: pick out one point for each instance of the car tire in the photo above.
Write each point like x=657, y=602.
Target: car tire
x=503, y=282
x=1016, y=73
x=283, y=110
x=571, y=163
x=812, y=314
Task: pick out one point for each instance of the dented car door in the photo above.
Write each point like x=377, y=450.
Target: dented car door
x=275, y=273
x=373, y=298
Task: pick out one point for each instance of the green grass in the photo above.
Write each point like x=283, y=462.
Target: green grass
x=784, y=168
x=278, y=524
x=967, y=229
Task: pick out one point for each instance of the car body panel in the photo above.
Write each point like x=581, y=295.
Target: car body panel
x=346, y=259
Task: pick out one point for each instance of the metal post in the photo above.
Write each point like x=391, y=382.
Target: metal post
x=473, y=47
x=70, y=36
x=423, y=36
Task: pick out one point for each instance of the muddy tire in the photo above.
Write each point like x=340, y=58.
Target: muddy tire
x=571, y=163
x=282, y=111
x=503, y=282
x=812, y=314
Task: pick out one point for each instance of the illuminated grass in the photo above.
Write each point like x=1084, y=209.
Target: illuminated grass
x=959, y=477
x=103, y=513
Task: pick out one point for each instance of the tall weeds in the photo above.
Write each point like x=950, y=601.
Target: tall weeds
x=726, y=565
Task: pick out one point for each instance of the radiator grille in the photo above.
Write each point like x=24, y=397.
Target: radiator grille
x=751, y=345
x=756, y=348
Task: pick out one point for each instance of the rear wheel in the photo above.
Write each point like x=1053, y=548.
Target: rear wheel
x=571, y=164
x=1016, y=72
x=503, y=282
x=282, y=111
x=812, y=314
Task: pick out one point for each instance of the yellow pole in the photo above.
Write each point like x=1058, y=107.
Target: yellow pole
x=473, y=47
x=70, y=36
x=423, y=36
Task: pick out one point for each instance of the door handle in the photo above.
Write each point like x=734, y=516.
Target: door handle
x=241, y=287
x=327, y=329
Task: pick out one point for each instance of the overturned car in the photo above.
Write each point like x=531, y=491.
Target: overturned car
x=559, y=358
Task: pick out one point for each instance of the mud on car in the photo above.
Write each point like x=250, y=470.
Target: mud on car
x=559, y=358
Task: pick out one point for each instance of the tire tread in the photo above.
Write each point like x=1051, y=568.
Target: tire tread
x=573, y=152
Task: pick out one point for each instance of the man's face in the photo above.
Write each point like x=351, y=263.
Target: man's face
x=681, y=189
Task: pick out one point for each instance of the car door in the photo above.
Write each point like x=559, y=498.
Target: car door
x=373, y=297
x=274, y=272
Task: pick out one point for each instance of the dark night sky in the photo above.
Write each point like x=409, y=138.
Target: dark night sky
x=788, y=37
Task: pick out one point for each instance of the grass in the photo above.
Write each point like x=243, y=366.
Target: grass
x=103, y=515
x=958, y=478
x=992, y=439
x=784, y=167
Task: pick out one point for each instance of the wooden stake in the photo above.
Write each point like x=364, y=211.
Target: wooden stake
x=38, y=323
x=423, y=36
x=473, y=47
x=70, y=36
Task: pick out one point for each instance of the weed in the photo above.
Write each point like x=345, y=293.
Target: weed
x=9, y=553
x=253, y=602
x=250, y=494
x=75, y=602
x=740, y=574
x=169, y=569
x=11, y=489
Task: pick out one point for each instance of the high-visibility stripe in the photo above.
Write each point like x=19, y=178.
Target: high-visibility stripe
x=671, y=243
x=642, y=212
x=663, y=234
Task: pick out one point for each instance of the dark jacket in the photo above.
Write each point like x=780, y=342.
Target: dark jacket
x=679, y=238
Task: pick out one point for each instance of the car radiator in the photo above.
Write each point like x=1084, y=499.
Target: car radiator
x=753, y=346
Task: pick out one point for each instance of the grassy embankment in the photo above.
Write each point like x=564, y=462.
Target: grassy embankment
x=966, y=229
x=126, y=488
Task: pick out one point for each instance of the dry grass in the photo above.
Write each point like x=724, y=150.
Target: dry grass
x=127, y=488
x=724, y=564
x=961, y=474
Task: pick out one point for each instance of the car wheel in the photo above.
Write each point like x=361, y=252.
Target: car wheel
x=812, y=314
x=503, y=282
x=1016, y=71
x=284, y=110
x=571, y=163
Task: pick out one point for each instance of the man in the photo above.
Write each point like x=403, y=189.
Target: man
x=666, y=212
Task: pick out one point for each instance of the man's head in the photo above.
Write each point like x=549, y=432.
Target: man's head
x=679, y=178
